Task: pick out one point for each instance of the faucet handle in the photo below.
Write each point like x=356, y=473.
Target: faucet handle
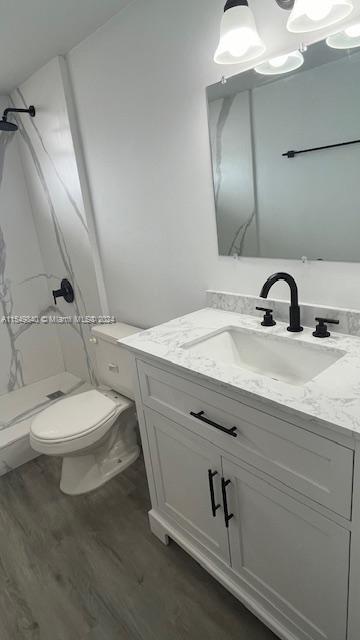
x=327, y=321
x=321, y=330
x=268, y=320
x=66, y=291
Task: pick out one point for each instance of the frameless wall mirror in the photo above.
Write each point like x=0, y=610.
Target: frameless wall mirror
x=296, y=205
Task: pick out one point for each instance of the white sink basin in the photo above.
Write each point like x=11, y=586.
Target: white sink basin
x=293, y=361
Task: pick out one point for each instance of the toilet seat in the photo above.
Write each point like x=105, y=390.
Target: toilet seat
x=76, y=422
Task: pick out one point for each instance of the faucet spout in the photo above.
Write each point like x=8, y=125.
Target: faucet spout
x=294, y=311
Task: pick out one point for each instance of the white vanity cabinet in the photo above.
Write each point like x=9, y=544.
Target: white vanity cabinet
x=288, y=555
x=262, y=504
x=185, y=466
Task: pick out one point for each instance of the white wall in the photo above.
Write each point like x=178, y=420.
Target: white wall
x=139, y=85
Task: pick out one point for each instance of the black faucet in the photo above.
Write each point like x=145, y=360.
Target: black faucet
x=294, y=311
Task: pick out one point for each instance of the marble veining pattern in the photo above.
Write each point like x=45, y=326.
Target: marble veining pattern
x=22, y=103
x=64, y=253
x=333, y=397
x=16, y=362
x=236, y=243
x=221, y=123
x=16, y=377
x=43, y=238
x=58, y=209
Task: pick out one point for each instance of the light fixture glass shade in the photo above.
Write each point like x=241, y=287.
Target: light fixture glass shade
x=311, y=15
x=349, y=38
x=281, y=64
x=239, y=37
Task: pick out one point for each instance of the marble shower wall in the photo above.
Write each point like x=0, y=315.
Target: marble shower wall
x=57, y=201
x=28, y=353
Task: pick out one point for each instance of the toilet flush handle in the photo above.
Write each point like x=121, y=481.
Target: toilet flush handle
x=113, y=367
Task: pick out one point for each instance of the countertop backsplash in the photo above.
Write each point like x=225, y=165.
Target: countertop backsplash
x=349, y=319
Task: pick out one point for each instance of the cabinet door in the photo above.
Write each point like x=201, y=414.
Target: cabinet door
x=186, y=469
x=290, y=558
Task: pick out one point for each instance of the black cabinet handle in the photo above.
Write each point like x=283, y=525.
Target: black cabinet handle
x=227, y=515
x=214, y=506
x=200, y=416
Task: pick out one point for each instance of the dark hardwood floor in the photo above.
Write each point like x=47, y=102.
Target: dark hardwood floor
x=88, y=568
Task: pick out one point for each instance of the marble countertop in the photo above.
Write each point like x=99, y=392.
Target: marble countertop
x=332, y=397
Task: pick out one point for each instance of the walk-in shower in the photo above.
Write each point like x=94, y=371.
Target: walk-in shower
x=11, y=126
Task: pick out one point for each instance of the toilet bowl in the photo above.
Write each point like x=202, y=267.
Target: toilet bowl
x=94, y=431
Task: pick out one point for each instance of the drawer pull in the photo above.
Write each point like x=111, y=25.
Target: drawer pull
x=214, y=506
x=200, y=416
x=227, y=515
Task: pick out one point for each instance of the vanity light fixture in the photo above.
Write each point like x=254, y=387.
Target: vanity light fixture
x=311, y=15
x=349, y=38
x=281, y=64
x=239, y=37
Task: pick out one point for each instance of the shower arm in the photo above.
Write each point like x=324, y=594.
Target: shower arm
x=30, y=111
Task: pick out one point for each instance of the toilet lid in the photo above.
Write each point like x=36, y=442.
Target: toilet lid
x=73, y=416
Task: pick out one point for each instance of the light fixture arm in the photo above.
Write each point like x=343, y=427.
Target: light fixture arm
x=230, y=4
x=286, y=4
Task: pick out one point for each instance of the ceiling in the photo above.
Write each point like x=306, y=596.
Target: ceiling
x=34, y=31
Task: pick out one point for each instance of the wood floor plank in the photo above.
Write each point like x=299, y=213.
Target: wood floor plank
x=88, y=568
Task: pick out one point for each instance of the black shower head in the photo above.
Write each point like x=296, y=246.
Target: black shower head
x=8, y=126
x=11, y=126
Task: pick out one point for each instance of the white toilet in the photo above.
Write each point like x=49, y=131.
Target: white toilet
x=94, y=431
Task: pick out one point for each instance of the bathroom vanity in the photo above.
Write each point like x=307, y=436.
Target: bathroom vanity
x=251, y=439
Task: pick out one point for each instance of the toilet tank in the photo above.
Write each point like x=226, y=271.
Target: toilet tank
x=113, y=362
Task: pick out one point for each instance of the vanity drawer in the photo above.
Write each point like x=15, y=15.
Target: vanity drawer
x=312, y=465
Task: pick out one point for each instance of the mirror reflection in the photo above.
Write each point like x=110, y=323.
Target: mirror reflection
x=286, y=160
